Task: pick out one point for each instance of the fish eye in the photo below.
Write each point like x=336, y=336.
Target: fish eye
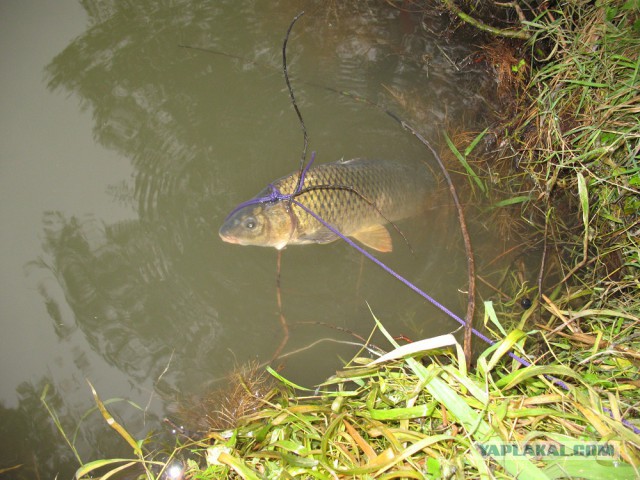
x=250, y=223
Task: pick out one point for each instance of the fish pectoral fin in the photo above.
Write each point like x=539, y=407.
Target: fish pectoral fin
x=376, y=237
x=323, y=235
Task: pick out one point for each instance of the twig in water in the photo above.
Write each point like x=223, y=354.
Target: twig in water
x=334, y=327
x=448, y=58
x=293, y=99
x=283, y=320
x=520, y=34
x=543, y=260
x=471, y=294
x=370, y=349
x=166, y=369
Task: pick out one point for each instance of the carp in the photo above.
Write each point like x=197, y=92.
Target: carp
x=358, y=197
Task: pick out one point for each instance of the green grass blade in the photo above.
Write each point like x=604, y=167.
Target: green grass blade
x=511, y=201
x=115, y=425
x=461, y=158
x=490, y=314
x=514, y=378
x=91, y=466
x=56, y=421
x=427, y=344
x=238, y=465
x=287, y=382
x=474, y=143
x=505, y=346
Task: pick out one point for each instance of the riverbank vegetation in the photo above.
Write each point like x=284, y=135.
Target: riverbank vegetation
x=563, y=162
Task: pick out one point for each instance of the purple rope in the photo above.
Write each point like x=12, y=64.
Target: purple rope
x=437, y=304
x=274, y=193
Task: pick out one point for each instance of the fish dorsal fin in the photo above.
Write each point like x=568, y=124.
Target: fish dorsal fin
x=376, y=237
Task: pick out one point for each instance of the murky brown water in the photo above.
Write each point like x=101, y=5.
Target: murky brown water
x=122, y=153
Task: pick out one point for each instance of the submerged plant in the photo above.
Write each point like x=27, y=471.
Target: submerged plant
x=241, y=393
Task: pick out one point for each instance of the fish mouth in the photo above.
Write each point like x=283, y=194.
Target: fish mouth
x=226, y=236
x=229, y=238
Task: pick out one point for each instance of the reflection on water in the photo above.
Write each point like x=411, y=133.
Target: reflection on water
x=126, y=294
x=160, y=297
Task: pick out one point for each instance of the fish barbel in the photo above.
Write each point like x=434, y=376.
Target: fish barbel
x=357, y=197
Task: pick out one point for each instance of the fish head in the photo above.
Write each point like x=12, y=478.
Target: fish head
x=267, y=224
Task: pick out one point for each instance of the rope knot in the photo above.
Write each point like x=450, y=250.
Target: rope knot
x=276, y=195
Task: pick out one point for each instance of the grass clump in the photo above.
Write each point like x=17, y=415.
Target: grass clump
x=567, y=163
x=577, y=138
x=580, y=135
